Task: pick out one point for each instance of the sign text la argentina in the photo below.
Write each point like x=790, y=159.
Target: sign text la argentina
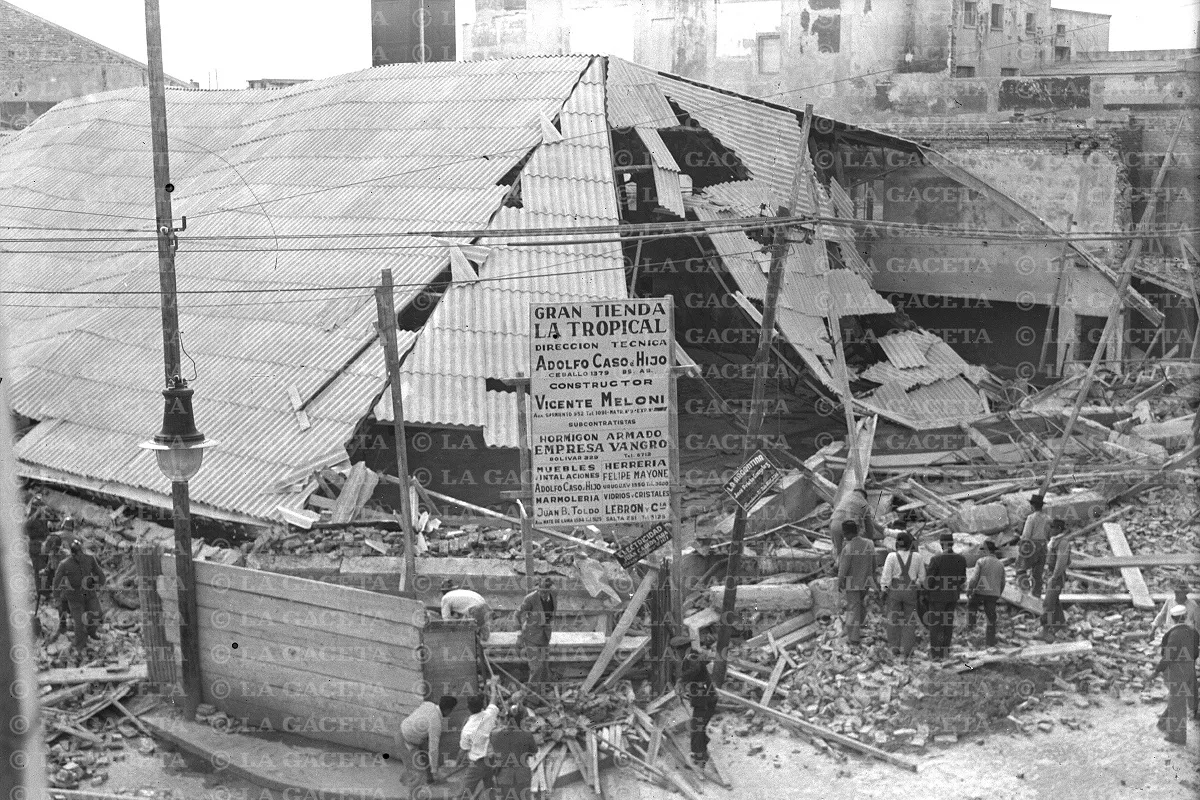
x=600, y=411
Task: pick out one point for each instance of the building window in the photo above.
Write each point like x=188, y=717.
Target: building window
x=1031, y=23
x=997, y=16
x=964, y=72
x=1062, y=54
x=770, y=53
x=514, y=5
x=829, y=33
x=970, y=15
x=1009, y=72
x=1060, y=29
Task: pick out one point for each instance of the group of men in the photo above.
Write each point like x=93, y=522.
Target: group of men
x=495, y=746
x=535, y=620
x=69, y=579
x=918, y=591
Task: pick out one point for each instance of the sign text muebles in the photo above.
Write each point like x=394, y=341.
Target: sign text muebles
x=600, y=411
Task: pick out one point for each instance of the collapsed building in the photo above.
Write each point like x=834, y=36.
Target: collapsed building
x=469, y=181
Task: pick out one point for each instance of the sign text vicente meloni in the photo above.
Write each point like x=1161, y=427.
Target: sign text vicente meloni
x=599, y=401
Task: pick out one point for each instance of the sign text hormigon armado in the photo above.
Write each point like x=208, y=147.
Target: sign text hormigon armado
x=600, y=418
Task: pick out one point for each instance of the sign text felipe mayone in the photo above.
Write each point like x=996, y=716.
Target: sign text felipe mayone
x=600, y=419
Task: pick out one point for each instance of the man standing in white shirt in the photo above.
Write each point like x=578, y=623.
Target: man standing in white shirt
x=459, y=603
x=475, y=741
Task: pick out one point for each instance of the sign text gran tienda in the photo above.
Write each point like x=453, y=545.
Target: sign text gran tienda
x=600, y=424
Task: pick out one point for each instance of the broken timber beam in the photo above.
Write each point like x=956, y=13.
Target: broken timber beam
x=1119, y=562
x=1029, y=653
x=818, y=731
x=782, y=629
x=618, y=634
x=1132, y=575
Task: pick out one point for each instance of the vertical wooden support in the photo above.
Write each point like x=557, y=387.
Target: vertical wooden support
x=386, y=311
x=526, y=480
x=673, y=470
x=1063, y=264
x=779, y=251
x=189, y=614
x=160, y=653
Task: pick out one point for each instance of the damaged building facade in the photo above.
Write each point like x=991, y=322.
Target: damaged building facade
x=467, y=180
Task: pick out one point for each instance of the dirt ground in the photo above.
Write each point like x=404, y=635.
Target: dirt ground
x=1116, y=754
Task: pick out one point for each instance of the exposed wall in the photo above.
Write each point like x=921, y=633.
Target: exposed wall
x=42, y=64
x=327, y=662
x=1086, y=32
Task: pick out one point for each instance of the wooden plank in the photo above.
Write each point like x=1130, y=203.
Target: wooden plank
x=773, y=683
x=347, y=500
x=1029, y=653
x=660, y=702
x=583, y=762
x=1014, y=596
x=816, y=730
x=72, y=675
x=782, y=629
x=321, y=595
x=802, y=635
x=384, y=665
x=1085, y=598
x=259, y=614
x=1132, y=575
x=614, y=641
x=1150, y=560
x=625, y=665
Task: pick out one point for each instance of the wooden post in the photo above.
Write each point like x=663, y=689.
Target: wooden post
x=673, y=469
x=160, y=653
x=386, y=311
x=853, y=468
x=1114, y=309
x=189, y=614
x=779, y=250
x=1058, y=288
x=526, y=480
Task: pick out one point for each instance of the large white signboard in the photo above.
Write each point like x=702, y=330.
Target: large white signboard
x=600, y=411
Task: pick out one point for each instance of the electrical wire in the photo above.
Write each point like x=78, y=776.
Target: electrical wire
x=524, y=149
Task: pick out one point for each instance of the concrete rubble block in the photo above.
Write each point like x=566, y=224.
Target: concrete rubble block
x=786, y=597
x=791, y=559
x=315, y=566
x=1172, y=434
x=827, y=600
x=985, y=518
x=1077, y=508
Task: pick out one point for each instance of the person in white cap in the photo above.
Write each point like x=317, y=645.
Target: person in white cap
x=1192, y=617
x=1180, y=647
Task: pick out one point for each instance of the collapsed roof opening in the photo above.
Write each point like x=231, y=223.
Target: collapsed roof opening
x=700, y=154
x=414, y=315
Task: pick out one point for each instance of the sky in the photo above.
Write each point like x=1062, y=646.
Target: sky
x=227, y=42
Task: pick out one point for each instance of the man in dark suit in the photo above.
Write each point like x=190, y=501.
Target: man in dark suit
x=946, y=574
x=536, y=618
x=79, y=580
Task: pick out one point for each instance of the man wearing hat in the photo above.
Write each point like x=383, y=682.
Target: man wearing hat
x=696, y=687
x=985, y=588
x=459, y=603
x=856, y=578
x=1180, y=647
x=946, y=574
x=903, y=575
x=1054, y=621
x=78, y=580
x=536, y=620
x=1032, y=546
x=1192, y=609
x=853, y=507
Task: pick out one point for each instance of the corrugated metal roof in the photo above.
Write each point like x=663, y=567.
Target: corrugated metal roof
x=906, y=348
x=635, y=99
x=387, y=149
x=481, y=330
x=943, y=403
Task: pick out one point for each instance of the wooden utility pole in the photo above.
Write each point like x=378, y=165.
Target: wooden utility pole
x=1114, y=308
x=189, y=642
x=385, y=308
x=1058, y=298
x=779, y=250
x=23, y=771
x=522, y=383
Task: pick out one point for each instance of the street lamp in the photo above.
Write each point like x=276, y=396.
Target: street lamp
x=179, y=447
